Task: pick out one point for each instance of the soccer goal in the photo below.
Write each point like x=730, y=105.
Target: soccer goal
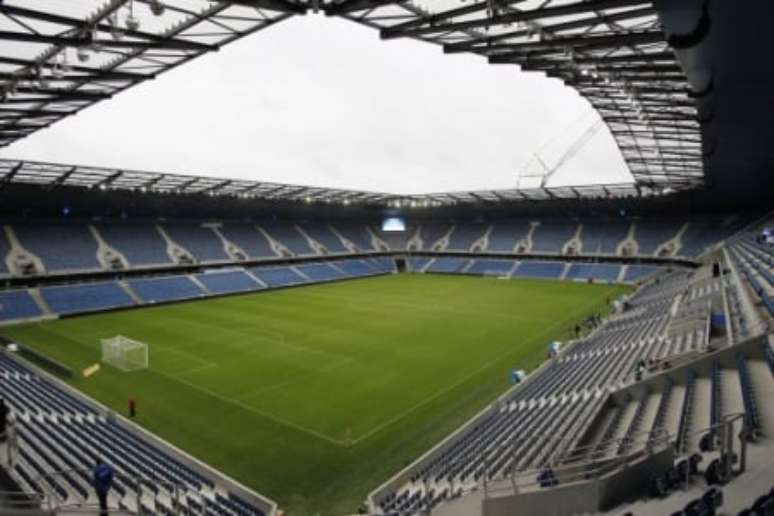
x=124, y=353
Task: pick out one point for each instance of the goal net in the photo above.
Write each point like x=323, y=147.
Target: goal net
x=124, y=353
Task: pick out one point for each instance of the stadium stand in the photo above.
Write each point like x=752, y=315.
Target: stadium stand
x=18, y=304
x=448, y=265
x=228, y=282
x=174, y=288
x=200, y=241
x=541, y=423
x=638, y=272
x=357, y=267
x=140, y=243
x=323, y=234
x=491, y=267
x=87, y=297
x=59, y=433
x=465, y=235
x=506, y=234
x=249, y=239
x=279, y=276
x=540, y=269
x=603, y=236
x=396, y=241
x=357, y=234
x=651, y=233
x=289, y=236
x=4, y=250
x=431, y=233
x=61, y=246
x=320, y=271
x=550, y=236
x=593, y=271
x=382, y=264
x=702, y=233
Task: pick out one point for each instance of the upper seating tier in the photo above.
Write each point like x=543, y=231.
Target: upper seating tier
x=201, y=242
x=62, y=246
x=140, y=243
x=249, y=239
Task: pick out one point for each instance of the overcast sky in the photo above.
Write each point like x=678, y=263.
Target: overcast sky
x=324, y=102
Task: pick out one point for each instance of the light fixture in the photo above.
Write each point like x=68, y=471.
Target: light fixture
x=83, y=54
x=157, y=8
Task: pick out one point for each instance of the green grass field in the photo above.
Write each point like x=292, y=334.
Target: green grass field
x=314, y=396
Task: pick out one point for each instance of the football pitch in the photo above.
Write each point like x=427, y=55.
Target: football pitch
x=314, y=396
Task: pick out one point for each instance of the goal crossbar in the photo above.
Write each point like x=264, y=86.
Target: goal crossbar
x=124, y=353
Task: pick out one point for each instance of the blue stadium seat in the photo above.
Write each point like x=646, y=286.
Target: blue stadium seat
x=355, y=233
x=249, y=239
x=490, y=267
x=287, y=235
x=17, y=304
x=141, y=244
x=228, y=282
x=551, y=236
x=323, y=234
x=278, y=276
x=69, y=299
x=465, y=235
x=506, y=234
x=200, y=241
x=448, y=265
x=62, y=246
x=539, y=269
x=320, y=271
x=603, y=237
x=172, y=288
x=638, y=272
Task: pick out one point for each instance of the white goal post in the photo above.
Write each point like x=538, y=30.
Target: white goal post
x=124, y=353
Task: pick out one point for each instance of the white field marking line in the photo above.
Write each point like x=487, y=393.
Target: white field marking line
x=468, y=376
x=272, y=337
x=194, y=370
x=357, y=304
x=262, y=390
x=248, y=408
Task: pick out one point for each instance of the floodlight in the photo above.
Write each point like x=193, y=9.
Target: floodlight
x=83, y=54
x=157, y=8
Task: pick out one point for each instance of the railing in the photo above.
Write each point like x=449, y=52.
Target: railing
x=175, y=493
x=570, y=463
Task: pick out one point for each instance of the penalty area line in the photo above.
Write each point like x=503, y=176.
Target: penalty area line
x=248, y=408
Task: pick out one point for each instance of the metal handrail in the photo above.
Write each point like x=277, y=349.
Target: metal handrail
x=52, y=500
x=650, y=442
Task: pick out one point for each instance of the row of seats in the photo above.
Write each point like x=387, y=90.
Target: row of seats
x=66, y=246
x=105, y=295
x=755, y=261
x=544, y=421
x=60, y=437
x=539, y=269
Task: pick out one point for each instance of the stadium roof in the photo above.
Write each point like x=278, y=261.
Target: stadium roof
x=60, y=57
x=56, y=175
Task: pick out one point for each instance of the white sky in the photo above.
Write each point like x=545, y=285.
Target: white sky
x=323, y=101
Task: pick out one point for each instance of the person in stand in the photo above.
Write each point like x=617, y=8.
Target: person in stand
x=103, y=481
x=639, y=368
x=4, y=410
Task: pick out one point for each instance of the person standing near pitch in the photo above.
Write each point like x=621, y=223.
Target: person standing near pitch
x=103, y=480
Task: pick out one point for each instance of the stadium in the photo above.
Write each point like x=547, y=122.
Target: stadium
x=214, y=343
